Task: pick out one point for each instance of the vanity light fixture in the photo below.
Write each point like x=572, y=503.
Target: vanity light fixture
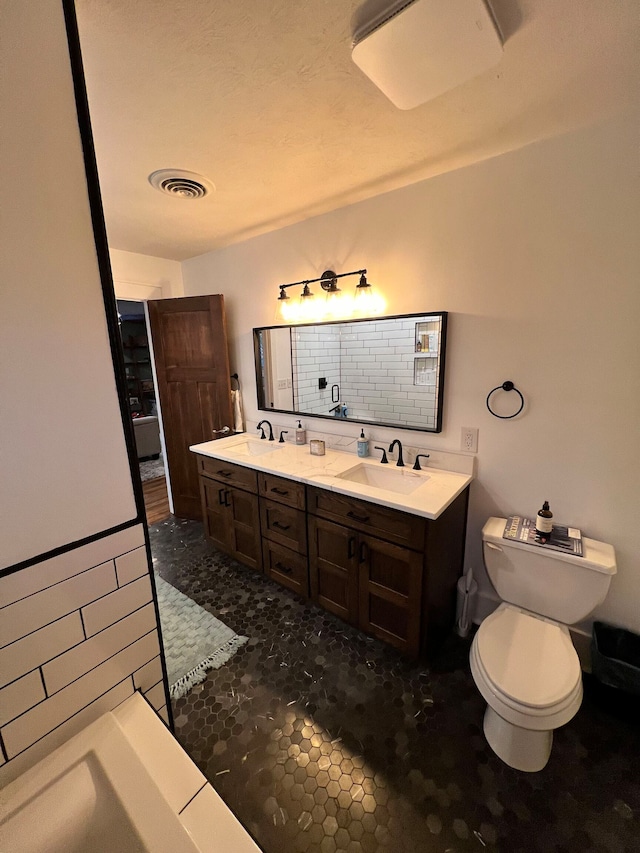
x=337, y=303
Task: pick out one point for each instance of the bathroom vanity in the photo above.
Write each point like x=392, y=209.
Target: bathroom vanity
x=379, y=546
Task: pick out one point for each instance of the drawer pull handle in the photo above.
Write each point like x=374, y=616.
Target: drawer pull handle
x=221, y=500
x=361, y=518
x=351, y=547
x=363, y=551
x=282, y=568
x=225, y=473
x=278, y=491
x=279, y=526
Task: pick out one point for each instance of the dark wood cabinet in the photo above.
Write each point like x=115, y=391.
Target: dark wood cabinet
x=390, y=524
x=333, y=567
x=286, y=566
x=387, y=572
x=282, y=490
x=232, y=475
x=390, y=573
x=370, y=583
x=284, y=532
x=284, y=525
x=232, y=519
x=390, y=587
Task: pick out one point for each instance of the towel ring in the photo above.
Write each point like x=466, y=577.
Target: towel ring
x=235, y=376
x=506, y=386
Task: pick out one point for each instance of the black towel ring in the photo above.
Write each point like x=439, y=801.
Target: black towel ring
x=506, y=386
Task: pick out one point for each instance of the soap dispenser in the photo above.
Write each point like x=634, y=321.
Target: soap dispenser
x=301, y=434
x=363, y=445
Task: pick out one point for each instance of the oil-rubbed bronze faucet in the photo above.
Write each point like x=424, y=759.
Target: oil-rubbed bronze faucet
x=400, y=462
x=416, y=465
x=270, y=430
x=384, y=459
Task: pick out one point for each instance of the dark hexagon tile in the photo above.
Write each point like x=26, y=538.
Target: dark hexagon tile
x=320, y=739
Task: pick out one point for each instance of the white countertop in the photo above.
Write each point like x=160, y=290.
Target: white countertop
x=436, y=492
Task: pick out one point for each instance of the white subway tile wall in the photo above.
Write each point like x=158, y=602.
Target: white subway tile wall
x=78, y=633
x=404, y=386
x=315, y=355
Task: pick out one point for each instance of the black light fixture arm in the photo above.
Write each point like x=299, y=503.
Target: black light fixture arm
x=326, y=279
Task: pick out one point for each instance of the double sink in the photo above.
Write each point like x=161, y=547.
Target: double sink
x=397, y=480
x=422, y=493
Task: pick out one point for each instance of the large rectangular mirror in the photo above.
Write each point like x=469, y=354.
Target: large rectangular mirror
x=387, y=371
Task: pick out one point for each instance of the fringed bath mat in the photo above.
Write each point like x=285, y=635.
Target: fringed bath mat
x=194, y=640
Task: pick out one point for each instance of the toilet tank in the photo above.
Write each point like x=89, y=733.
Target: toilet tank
x=562, y=587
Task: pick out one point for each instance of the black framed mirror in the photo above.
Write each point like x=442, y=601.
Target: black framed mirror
x=387, y=371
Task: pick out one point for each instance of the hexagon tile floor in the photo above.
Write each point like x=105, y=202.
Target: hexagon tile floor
x=320, y=739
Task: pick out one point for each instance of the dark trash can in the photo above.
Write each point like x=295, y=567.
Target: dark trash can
x=615, y=657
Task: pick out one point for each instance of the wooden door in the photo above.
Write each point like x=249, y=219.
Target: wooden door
x=333, y=568
x=194, y=385
x=390, y=587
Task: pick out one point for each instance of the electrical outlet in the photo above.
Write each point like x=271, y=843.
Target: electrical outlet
x=469, y=439
x=282, y=383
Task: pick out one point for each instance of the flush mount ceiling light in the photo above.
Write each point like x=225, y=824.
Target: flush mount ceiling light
x=423, y=48
x=337, y=304
x=181, y=184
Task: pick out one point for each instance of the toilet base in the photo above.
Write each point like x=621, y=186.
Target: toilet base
x=522, y=749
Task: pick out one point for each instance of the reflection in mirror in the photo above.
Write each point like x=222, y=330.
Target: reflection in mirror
x=387, y=371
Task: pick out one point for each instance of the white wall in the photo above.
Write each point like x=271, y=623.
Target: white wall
x=536, y=256
x=64, y=472
x=142, y=277
x=78, y=629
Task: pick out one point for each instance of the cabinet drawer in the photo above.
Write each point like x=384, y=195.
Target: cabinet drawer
x=227, y=472
x=393, y=525
x=284, y=524
x=286, y=567
x=281, y=490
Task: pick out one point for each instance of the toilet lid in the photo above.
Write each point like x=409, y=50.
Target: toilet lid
x=530, y=660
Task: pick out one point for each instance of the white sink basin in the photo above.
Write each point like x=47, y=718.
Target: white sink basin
x=254, y=448
x=400, y=480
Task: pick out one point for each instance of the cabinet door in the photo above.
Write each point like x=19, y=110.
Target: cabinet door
x=334, y=568
x=390, y=588
x=215, y=512
x=243, y=522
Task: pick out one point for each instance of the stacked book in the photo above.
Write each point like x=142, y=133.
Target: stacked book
x=566, y=539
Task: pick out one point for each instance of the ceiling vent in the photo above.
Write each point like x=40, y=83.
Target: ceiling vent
x=425, y=48
x=181, y=184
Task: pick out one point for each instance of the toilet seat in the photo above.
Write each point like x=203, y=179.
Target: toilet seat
x=528, y=661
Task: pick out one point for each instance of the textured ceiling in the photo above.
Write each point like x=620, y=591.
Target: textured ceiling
x=264, y=100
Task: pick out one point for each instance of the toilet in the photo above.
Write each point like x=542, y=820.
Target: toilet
x=522, y=657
